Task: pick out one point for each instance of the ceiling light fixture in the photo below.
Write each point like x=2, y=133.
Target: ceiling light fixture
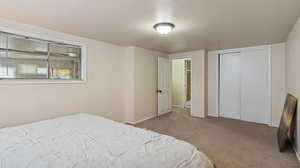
x=164, y=27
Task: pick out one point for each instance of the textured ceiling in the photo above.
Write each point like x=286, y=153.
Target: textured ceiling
x=210, y=24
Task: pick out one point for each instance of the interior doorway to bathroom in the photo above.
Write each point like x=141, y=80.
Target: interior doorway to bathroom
x=182, y=83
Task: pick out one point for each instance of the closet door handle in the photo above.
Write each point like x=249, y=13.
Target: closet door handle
x=159, y=91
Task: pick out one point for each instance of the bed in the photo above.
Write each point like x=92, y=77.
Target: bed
x=88, y=141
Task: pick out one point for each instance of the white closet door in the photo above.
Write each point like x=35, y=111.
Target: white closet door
x=255, y=90
x=230, y=83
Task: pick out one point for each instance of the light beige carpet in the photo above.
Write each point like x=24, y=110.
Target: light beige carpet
x=229, y=143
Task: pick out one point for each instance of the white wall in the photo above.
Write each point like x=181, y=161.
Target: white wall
x=141, y=83
x=121, y=83
x=212, y=83
x=293, y=71
x=129, y=78
x=278, y=82
x=198, y=80
x=278, y=85
x=101, y=94
x=178, y=82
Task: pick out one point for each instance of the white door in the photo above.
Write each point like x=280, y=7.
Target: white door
x=255, y=86
x=163, y=86
x=245, y=85
x=230, y=89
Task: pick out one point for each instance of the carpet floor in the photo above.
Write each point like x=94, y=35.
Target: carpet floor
x=229, y=143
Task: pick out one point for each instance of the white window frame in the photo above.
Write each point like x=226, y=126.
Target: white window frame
x=49, y=81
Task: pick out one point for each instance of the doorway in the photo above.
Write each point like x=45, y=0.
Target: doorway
x=196, y=101
x=182, y=83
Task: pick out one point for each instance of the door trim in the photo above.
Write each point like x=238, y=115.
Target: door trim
x=184, y=90
x=198, y=102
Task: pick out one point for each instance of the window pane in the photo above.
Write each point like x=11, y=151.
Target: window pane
x=57, y=49
x=3, y=65
x=23, y=66
x=3, y=39
x=3, y=54
x=25, y=44
x=20, y=55
x=64, y=62
x=28, y=69
x=64, y=68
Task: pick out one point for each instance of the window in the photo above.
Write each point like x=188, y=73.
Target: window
x=29, y=58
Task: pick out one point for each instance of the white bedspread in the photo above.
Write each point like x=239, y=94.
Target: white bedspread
x=87, y=141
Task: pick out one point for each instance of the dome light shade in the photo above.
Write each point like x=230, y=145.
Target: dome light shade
x=164, y=28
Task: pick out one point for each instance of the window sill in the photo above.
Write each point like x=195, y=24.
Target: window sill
x=22, y=82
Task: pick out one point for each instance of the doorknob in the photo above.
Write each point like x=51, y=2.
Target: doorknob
x=159, y=91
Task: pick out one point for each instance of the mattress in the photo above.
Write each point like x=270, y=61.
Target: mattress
x=87, y=141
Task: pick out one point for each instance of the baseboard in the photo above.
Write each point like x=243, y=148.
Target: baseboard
x=180, y=106
x=139, y=121
x=169, y=111
x=274, y=125
x=212, y=115
x=297, y=154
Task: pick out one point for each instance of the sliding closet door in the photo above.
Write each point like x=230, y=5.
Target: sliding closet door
x=244, y=88
x=230, y=80
x=255, y=92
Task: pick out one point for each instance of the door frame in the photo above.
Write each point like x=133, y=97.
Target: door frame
x=185, y=80
x=267, y=47
x=198, y=102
